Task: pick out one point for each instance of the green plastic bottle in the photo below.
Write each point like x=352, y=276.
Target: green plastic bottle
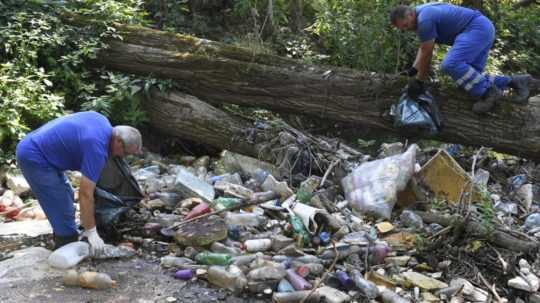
x=222, y=202
x=210, y=258
x=299, y=229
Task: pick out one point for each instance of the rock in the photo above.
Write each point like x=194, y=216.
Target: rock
x=29, y=264
x=202, y=232
x=28, y=228
x=534, y=298
x=189, y=185
x=17, y=183
x=424, y=282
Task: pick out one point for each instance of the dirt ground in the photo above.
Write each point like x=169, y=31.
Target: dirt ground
x=138, y=280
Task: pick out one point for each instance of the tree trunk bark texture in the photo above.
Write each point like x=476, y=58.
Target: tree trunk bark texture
x=224, y=74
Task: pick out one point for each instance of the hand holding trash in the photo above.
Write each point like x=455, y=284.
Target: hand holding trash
x=96, y=243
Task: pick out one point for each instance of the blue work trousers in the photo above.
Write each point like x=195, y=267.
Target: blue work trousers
x=50, y=186
x=466, y=59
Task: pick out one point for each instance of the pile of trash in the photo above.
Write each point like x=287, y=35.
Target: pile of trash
x=410, y=225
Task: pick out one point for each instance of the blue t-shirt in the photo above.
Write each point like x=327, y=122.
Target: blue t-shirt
x=78, y=142
x=442, y=21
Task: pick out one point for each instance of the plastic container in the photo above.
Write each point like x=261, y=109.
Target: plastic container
x=345, y=280
x=324, y=238
x=198, y=210
x=299, y=229
x=69, y=255
x=183, y=274
x=285, y=286
x=96, y=280
x=230, y=278
x=368, y=288
x=218, y=247
x=246, y=219
x=297, y=281
x=210, y=258
x=222, y=202
x=296, y=297
x=270, y=272
x=175, y=262
x=257, y=245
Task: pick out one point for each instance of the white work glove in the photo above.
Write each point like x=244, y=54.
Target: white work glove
x=96, y=243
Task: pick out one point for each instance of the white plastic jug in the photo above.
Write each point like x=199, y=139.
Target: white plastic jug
x=69, y=255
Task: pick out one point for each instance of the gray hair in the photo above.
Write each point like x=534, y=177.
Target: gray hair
x=129, y=135
x=400, y=12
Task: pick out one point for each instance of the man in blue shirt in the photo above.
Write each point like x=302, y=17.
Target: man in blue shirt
x=80, y=142
x=471, y=36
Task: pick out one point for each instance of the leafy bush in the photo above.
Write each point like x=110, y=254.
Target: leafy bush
x=42, y=64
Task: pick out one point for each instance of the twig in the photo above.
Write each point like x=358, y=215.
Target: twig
x=491, y=288
x=330, y=168
x=324, y=275
x=236, y=207
x=504, y=264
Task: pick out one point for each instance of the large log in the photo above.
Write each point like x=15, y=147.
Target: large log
x=221, y=73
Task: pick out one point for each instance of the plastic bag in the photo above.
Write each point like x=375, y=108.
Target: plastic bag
x=373, y=186
x=417, y=115
x=116, y=192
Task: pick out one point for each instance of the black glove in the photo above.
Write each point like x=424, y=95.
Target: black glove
x=411, y=72
x=415, y=88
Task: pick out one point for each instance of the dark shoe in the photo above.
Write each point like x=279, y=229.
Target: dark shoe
x=520, y=83
x=488, y=101
x=60, y=241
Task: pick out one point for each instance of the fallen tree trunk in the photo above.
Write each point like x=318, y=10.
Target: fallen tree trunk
x=291, y=150
x=220, y=73
x=495, y=237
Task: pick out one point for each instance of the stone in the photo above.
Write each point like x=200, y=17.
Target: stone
x=423, y=281
x=17, y=183
x=191, y=186
x=202, y=232
x=29, y=264
x=29, y=228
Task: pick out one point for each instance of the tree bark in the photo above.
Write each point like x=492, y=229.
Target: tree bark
x=224, y=74
x=291, y=150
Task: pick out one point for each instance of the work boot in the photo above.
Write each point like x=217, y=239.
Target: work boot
x=520, y=84
x=60, y=241
x=488, y=101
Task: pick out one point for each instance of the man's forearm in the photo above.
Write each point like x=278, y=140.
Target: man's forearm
x=422, y=63
x=86, y=203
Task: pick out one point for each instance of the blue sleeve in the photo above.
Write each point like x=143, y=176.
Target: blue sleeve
x=92, y=164
x=426, y=30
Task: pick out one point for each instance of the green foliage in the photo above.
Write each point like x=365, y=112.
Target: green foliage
x=487, y=212
x=42, y=62
x=358, y=34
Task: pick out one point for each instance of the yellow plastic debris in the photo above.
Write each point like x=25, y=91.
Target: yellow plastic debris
x=446, y=179
x=384, y=227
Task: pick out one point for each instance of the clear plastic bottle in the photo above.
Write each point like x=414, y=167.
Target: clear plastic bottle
x=175, y=262
x=231, y=278
x=297, y=281
x=245, y=219
x=69, y=255
x=296, y=296
x=368, y=288
x=269, y=272
x=96, y=280
x=219, y=247
x=257, y=245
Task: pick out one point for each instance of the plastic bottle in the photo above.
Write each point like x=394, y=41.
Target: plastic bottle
x=218, y=247
x=175, y=262
x=96, y=280
x=299, y=229
x=230, y=278
x=245, y=219
x=166, y=220
x=69, y=255
x=296, y=297
x=285, y=286
x=297, y=281
x=198, y=210
x=324, y=238
x=345, y=280
x=368, y=288
x=257, y=245
x=389, y=296
x=222, y=202
x=269, y=272
x=210, y=258
x=532, y=221
x=306, y=269
x=184, y=274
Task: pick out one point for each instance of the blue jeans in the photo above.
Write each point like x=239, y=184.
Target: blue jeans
x=466, y=59
x=50, y=186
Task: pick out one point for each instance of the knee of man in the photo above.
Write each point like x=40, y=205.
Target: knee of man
x=448, y=66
